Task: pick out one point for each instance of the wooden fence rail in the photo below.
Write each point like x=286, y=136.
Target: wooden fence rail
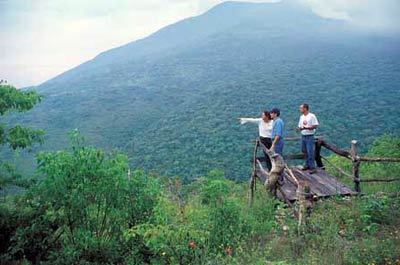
x=351, y=155
x=380, y=180
x=380, y=159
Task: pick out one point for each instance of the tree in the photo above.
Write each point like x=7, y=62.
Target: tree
x=16, y=136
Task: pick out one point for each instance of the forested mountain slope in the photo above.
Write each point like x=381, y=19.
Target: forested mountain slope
x=170, y=101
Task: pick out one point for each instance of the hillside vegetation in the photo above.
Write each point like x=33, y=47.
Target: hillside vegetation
x=171, y=101
x=88, y=209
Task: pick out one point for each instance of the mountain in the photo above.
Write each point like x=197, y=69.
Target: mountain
x=170, y=101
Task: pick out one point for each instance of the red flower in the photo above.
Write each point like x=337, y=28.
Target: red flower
x=228, y=251
x=192, y=245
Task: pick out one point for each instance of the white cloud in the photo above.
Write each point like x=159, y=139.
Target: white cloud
x=42, y=38
x=383, y=15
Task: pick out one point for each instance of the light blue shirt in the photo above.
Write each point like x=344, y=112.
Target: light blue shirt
x=278, y=128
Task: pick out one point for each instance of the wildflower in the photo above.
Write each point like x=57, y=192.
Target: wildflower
x=228, y=251
x=192, y=244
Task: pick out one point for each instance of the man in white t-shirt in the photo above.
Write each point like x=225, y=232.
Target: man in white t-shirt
x=264, y=130
x=308, y=124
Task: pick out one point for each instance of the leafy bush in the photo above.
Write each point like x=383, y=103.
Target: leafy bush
x=81, y=208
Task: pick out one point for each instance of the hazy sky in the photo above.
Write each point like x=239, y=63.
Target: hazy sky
x=43, y=38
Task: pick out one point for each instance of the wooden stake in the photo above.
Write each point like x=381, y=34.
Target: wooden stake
x=253, y=174
x=318, y=160
x=356, y=165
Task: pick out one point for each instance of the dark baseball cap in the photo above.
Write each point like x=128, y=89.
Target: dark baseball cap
x=276, y=111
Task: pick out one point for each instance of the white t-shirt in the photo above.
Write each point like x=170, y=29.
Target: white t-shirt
x=264, y=129
x=308, y=121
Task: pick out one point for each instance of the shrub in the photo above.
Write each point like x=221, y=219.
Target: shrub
x=82, y=207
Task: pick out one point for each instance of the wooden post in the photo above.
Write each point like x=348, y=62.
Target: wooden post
x=356, y=165
x=252, y=188
x=304, y=205
x=253, y=174
x=318, y=159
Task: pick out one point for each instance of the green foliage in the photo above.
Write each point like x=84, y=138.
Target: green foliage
x=82, y=206
x=385, y=146
x=22, y=137
x=205, y=222
x=11, y=175
x=86, y=189
x=17, y=136
x=88, y=209
x=215, y=188
x=338, y=234
x=12, y=99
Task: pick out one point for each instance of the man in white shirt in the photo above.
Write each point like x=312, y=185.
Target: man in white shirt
x=308, y=124
x=264, y=130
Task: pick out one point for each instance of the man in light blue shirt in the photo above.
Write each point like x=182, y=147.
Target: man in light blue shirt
x=278, y=132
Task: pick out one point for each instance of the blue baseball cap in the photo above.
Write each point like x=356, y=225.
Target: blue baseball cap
x=276, y=111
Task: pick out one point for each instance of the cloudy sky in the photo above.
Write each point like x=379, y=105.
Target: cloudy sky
x=43, y=38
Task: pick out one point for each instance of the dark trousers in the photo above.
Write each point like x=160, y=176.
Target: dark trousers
x=307, y=146
x=267, y=142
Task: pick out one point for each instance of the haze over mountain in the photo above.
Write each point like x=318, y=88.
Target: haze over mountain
x=170, y=101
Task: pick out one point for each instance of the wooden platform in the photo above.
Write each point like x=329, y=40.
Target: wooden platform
x=322, y=185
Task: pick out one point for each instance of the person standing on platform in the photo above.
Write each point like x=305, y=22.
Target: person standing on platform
x=264, y=130
x=308, y=123
x=278, y=132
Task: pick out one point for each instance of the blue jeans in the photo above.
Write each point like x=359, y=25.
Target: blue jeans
x=279, y=148
x=307, y=147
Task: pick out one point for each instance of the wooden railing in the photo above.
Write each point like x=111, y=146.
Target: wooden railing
x=302, y=191
x=256, y=161
x=352, y=155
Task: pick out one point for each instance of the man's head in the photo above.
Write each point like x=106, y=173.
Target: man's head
x=275, y=112
x=265, y=115
x=304, y=108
